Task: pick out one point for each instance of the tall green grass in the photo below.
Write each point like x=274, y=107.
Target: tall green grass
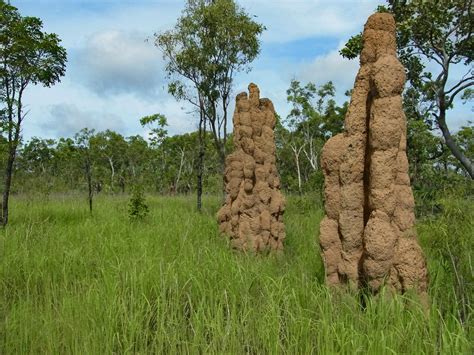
x=75, y=283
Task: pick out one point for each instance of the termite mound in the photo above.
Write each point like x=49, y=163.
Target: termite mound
x=368, y=236
x=252, y=214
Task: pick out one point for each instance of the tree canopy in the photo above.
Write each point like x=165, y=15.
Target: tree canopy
x=28, y=56
x=210, y=43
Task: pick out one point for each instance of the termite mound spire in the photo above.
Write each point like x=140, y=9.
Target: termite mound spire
x=252, y=214
x=368, y=235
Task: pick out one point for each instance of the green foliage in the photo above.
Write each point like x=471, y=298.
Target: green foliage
x=158, y=133
x=74, y=283
x=109, y=153
x=465, y=139
x=114, y=163
x=170, y=167
x=28, y=56
x=314, y=111
x=314, y=118
x=137, y=206
x=211, y=42
x=425, y=29
x=353, y=47
x=449, y=236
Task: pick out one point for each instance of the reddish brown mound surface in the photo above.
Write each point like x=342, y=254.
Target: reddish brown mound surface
x=368, y=237
x=253, y=210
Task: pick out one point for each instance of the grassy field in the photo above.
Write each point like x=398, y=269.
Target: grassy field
x=74, y=283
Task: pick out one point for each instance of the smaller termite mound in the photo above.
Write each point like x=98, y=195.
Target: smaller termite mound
x=252, y=214
x=368, y=236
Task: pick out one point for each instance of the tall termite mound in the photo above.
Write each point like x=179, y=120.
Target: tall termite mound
x=368, y=237
x=252, y=215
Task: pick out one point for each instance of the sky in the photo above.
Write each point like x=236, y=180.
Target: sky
x=115, y=75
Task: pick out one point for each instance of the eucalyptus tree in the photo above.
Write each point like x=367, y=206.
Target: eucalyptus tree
x=37, y=160
x=157, y=124
x=211, y=42
x=314, y=117
x=180, y=161
x=68, y=156
x=111, y=147
x=28, y=56
x=84, y=144
x=38, y=156
x=137, y=157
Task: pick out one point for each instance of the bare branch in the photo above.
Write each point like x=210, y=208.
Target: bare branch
x=457, y=91
x=462, y=81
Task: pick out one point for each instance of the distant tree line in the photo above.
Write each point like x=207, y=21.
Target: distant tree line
x=108, y=162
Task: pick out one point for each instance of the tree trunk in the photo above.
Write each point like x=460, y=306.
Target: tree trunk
x=112, y=173
x=219, y=143
x=458, y=154
x=7, y=185
x=122, y=184
x=13, y=139
x=298, y=169
x=222, y=161
x=200, y=161
x=181, y=163
x=224, y=142
x=89, y=184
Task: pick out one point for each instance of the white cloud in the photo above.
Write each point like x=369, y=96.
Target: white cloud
x=120, y=113
x=67, y=119
x=75, y=20
x=288, y=20
x=330, y=66
x=116, y=62
x=132, y=108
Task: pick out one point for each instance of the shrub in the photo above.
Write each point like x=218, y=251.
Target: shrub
x=137, y=207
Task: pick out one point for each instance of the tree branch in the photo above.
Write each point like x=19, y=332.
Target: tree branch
x=457, y=91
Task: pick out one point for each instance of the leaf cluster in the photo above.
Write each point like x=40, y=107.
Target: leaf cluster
x=137, y=206
x=27, y=54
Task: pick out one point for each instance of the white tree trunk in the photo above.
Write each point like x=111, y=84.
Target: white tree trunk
x=181, y=163
x=112, y=175
x=297, y=152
